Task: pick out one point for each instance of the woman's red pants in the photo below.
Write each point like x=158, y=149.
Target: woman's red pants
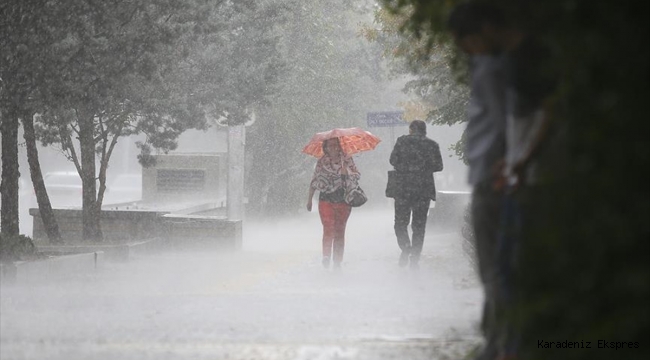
x=334, y=217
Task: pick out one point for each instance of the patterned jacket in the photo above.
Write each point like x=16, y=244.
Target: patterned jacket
x=327, y=175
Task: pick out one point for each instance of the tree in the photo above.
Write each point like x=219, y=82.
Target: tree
x=108, y=53
x=440, y=95
x=151, y=67
x=587, y=274
x=26, y=28
x=45, y=207
x=328, y=81
x=10, y=174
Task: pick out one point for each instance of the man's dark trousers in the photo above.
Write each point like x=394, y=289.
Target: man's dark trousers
x=486, y=216
x=404, y=207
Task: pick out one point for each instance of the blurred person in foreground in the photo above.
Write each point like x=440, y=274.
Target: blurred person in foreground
x=415, y=158
x=481, y=30
x=529, y=132
x=335, y=171
x=484, y=150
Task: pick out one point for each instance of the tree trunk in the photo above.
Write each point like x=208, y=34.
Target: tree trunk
x=91, y=212
x=44, y=205
x=107, y=152
x=10, y=175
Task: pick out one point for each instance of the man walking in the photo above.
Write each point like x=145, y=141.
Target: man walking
x=415, y=158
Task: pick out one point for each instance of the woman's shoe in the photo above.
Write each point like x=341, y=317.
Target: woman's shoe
x=326, y=262
x=403, y=259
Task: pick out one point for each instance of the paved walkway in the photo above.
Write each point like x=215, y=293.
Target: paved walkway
x=273, y=300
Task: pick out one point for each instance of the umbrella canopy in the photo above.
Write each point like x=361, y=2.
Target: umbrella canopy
x=353, y=140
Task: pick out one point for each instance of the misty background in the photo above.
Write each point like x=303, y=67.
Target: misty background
x=118, y=83
x=326, y=74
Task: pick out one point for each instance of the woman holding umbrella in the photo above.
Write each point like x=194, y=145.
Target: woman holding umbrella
x=335, y=172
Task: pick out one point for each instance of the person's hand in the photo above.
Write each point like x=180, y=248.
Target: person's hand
x=498, y=168
x=309, y=204
x=499, y=181
x=519, y=171
x=344, y=168
x=519, y=166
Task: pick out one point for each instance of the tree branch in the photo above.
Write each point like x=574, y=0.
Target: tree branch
x=66, y=142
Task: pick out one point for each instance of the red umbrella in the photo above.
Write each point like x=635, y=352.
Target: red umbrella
x=353, y=140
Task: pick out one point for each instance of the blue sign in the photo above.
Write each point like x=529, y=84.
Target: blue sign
x=386, y=119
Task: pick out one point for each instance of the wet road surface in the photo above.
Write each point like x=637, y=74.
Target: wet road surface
x=272, y=300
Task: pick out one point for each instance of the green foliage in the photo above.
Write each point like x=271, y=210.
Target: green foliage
x=150, y=66
x=439, y=98
x=327, y=82
x=16, y=247
x=99, y=70
x=117, y=60
x=430, y=63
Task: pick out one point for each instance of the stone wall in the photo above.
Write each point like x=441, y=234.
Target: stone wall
x=202, y=230
x=183, y=177
x=118, y=226
x=127, y=226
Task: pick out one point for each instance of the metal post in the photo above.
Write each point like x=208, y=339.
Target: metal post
x=235, y=192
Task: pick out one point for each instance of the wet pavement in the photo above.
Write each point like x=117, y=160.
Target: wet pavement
x=272, y=300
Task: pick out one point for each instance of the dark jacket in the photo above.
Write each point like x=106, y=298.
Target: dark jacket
x=415, y=159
